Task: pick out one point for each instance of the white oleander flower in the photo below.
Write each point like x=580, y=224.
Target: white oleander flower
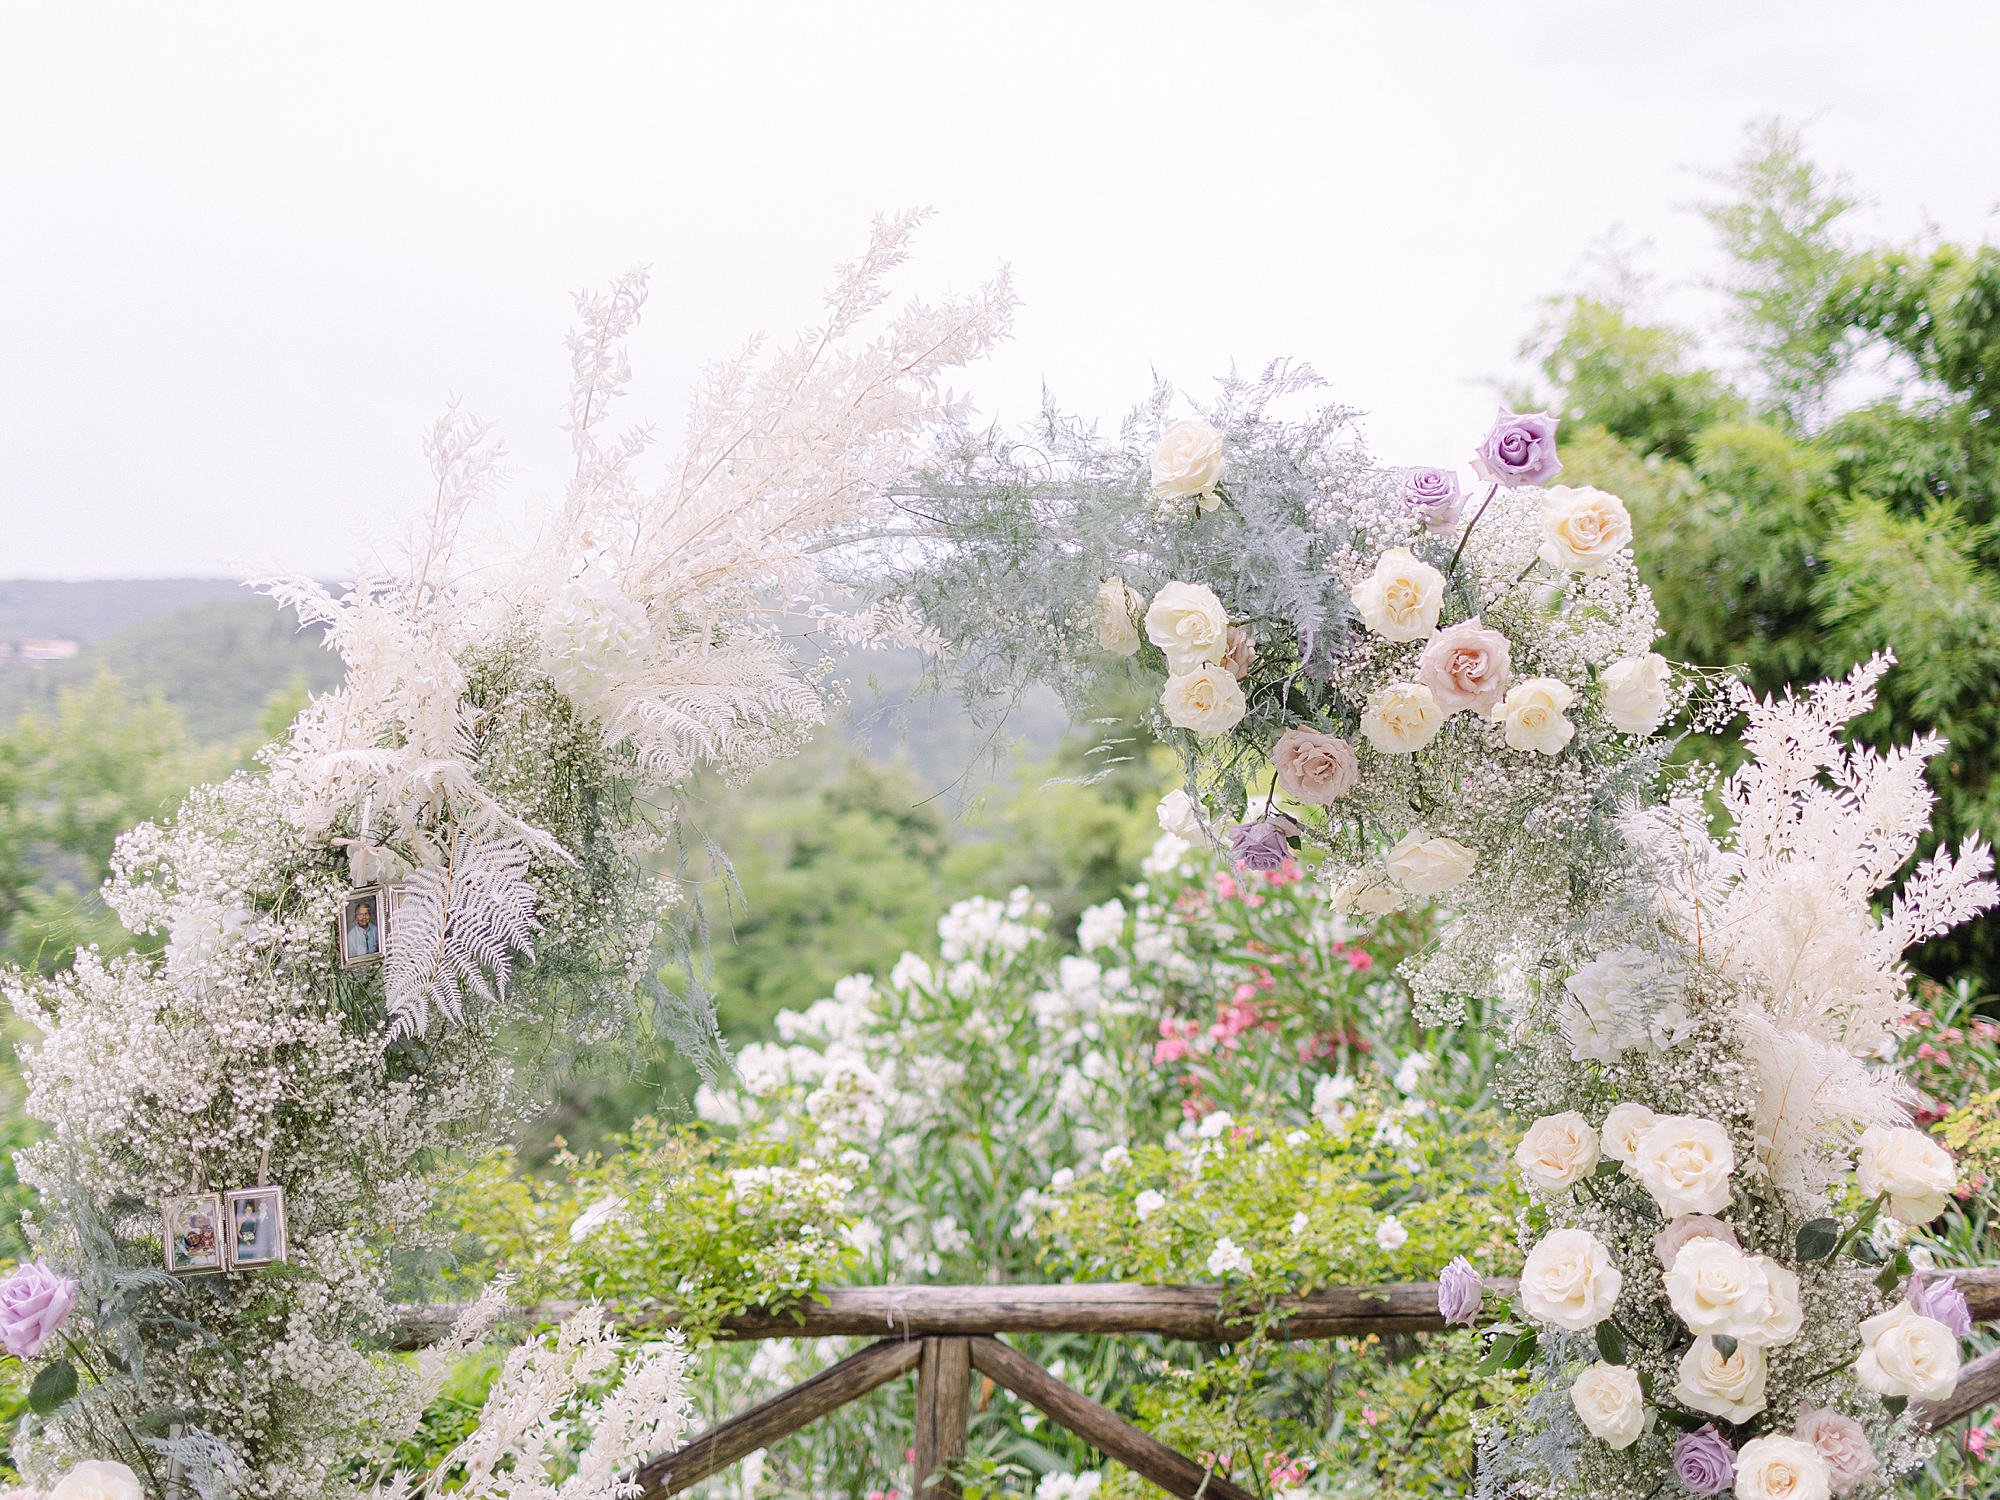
x=1117, y=603
x=1207, y=700
x=1069, y=1486
x=1114, y=1159
x=1213, y=1125
x=1716, y=1288
x=1189, y=625
x=1569, y=1280
x=1401, y=718
x=1904, y=1353
x=1228, y=1259
x=1390, y=1234
x=1915, y=1171
x=1402, y=598
x=1367, y=893
x=1622, y=1129
x=1181, y=817
x=1531, y=715
x=1148, y=1203
x=1611, y=1403
x=1684, y=1163
x=1582, y=529
x=98, y=1479
x=1635, y=693
x=1731, y=1388
x=1188, y=461
x=1557, y=1152
x=1781, y=1468
x=1425, y=864
x=1100, y=926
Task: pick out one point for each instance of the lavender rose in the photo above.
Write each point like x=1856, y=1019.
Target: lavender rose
x=1461, y=1290
x=1942, y=1302
x=33, y=1303
x=1466, y=668
x=1704, y=1461
x=1840, y=1440
x=1313, y=767
x=1521, y=449
x=1433, y=497
x=1263, y=845
x=1667, y=1243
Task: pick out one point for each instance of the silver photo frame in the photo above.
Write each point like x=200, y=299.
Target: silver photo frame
x=191, y=1234
x=359, y=929
x=254, y=1227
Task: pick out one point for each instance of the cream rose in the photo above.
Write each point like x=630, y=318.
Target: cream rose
x=1188, y=461
x=1402, y=598
x=1783, y=1315
x=1610, y=1402
x=1188, y=623
x=1915, y=1171
x=1842, y=1442
x=1401, y=718
x=1179, y=816
x=1116, y=604
x=1904, y=1353
x=1426, y=865
x=1569, y=1280
x=1731, y=1388
x=1314, y=767
x=1684, y=1163
x=1582, y=529
x=1367, y=893
x=1207, y=700
x=1781, y=1468
x=98, y=1479
x=1622, y=1129
x=1716, y=1288
x=1557, y=1152
x=1532, y=715
x=1635, y=693
x=1239, y=650
x=1667, y=1243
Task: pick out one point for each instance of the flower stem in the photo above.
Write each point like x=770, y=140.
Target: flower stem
x=1459, y=551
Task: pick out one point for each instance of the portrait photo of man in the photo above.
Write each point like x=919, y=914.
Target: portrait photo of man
x=361, y=928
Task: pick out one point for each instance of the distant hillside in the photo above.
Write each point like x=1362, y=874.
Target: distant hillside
x=101, y=607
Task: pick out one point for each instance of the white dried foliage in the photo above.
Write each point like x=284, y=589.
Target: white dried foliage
x=454, y=930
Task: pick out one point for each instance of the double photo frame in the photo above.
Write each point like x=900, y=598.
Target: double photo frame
x=241, y=1230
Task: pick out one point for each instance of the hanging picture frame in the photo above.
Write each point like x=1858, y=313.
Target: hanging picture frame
x=359, y=931
x=254, y=1220
x=191, y=1233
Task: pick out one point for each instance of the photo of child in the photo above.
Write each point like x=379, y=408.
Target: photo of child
x=191, y=1229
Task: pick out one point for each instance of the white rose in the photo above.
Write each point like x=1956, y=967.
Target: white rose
x=1685, y=1164
x=1569, y=1280
x=1116, y=604
x=1557, y=1152
x=1635, y=693
x=1426, y=865
x=1532, y=715
x=1731, y=1388
x=1401, y=718
x=1904, y=1353
x=1612, y=1405
x=1915, y=1171
x=1716, y=1288
x=1148, y=1203
x=1582, y=528
x=1207, y=700
x=1402, y=598
x=1367, y=893
x=98, y=1479
x=1783, y=1315
x=1188, y=623
x=1781, y=1468
x=1622, y=1129
x=1180, y=817
x=1188, y=461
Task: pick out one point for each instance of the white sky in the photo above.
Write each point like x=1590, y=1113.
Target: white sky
x=247, y=252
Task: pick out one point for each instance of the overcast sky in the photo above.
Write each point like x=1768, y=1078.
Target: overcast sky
x=248, y=252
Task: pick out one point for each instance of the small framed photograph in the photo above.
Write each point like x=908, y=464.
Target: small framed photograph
x=361, y=928
x=393, y=897
x=256, y=1227
x=191, y=1232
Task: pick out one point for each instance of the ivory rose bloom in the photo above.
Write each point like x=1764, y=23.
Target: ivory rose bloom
x=1179, y=816
x=1904, y=1353
x=1557, y=1152
x=1188, y=461
x=1667, y=1243
x=1466, y=667
x=1784, y=1315
x=1188, y=623
x=1532, y=715
x=1716, y=1288
x=98, y=1479
x=1622, y=1129
x=1402, y=718
x=1314, y=767
x=1611, y=1404
x=1840, y=1440
x=1731, y=1388
x=1426, y=865
x=1635, y=693
x=1684, y=1163
x=1116, y=605
x=1582, y=529
x=1915, y=1171
x=1206, y=700
x=1402, y=598
x=1781, y=1468
x=1569, y=1280
x=1367, y=893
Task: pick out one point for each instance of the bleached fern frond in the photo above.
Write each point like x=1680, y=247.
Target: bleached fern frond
x=454, y=931
x=646, y=1414
x=1941, y=893
x=1814, y=1097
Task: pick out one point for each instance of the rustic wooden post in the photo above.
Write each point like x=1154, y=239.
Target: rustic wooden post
x=944, y=1391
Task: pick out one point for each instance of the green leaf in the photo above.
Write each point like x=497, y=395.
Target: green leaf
x=54, y=1385
x=1725, y=1345
x=1817, y=1239
x=1686, y=1421
x=1524, y=1350
x=1497, y=1352
x=1611, y=1342
x=1608, y=1168
x=1886, y=1282
x=1895, y=1404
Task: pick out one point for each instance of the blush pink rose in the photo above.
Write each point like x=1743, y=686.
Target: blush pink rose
x=1839, y=1439
x=1238, y=651
x=1667, y=1243
x=1466, y=667
x=1314, y=767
